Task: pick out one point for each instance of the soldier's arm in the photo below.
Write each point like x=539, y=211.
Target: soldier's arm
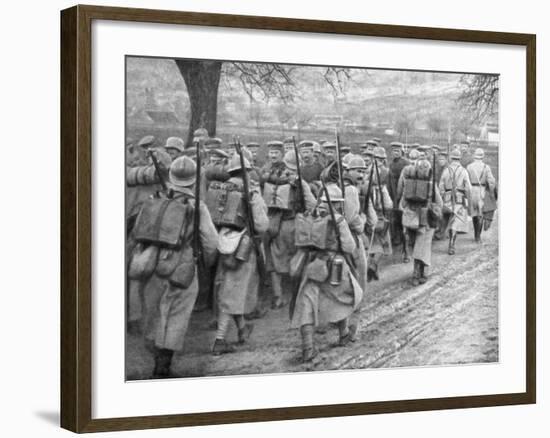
x=208, y=236
x=259, y=212
x=348, y=242
x=444, y=176
x=352, y=211
x=491, y=181
x=400, y=186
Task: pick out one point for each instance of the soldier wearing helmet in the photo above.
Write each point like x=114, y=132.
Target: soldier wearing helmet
x=483, y=182
x=421, y=207
x=328, y=292
x=282, y=197
x=379, y=237
x=396, y=166
x=174, y=146
x=455, y=189
x=170, y=289
x=237, y=278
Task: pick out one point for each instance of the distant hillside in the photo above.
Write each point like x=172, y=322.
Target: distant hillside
x=370, y=98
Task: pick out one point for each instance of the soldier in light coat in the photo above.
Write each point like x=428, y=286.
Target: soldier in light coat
x=379, y=237
x=167, y=304
x=420, y=219
x=482, y=181
x=237, y=277
x=358, y=215
x=142, y=183
x=281, y=245
x=455, y=188
x=328, y=291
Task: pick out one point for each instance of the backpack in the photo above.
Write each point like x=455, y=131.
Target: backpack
x=418, y=186
x=225, y=203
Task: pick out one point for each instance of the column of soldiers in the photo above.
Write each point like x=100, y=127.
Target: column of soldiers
x=312, y=222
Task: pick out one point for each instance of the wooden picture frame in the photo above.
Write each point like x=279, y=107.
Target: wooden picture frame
x=76, y=217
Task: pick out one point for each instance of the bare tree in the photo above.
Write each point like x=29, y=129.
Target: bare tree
x=261, y=81
x=480, y=95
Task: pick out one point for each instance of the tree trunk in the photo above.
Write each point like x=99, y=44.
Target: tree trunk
x=202, y=79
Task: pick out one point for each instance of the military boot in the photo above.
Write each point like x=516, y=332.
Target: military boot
x=415, y=280
x=245, y=333
x=422, y=276
x=222, y=347
x=308, y=349
x=452, y=240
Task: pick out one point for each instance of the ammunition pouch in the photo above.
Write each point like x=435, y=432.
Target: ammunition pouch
x=183, y=275
x=168, y=261
x=411, y=219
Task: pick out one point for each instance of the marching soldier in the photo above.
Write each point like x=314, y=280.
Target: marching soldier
x=455, y=189
x=421, y=206
x=329, y=150
x=357, y=216
x=380, y=235
x=318, y=155
x=281, y=196
x=410, y=169
x=275, y=163
x=311, y=169
x=174, y=147
x=440, y=165
x=482, y=181
x=396, y=166
x=328, y=291
x=166, y=261
x=237, y=277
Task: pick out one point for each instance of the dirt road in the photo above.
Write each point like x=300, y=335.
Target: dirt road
x=451, y=319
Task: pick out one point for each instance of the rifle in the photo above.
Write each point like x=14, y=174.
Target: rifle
x=158, y=171
x=433, y=178
x=256, y=239
x=339, y=164
x=380, y=188
x=333, y=217
x=299, y=171
x=197, y=247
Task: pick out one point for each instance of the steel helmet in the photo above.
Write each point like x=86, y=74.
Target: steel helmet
x=182, y=172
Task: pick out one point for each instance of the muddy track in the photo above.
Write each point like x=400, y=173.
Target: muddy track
x=451, y=319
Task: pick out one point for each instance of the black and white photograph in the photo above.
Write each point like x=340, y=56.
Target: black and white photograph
x=287, y=218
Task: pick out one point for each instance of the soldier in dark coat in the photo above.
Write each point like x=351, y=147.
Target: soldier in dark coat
x=311, y=169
